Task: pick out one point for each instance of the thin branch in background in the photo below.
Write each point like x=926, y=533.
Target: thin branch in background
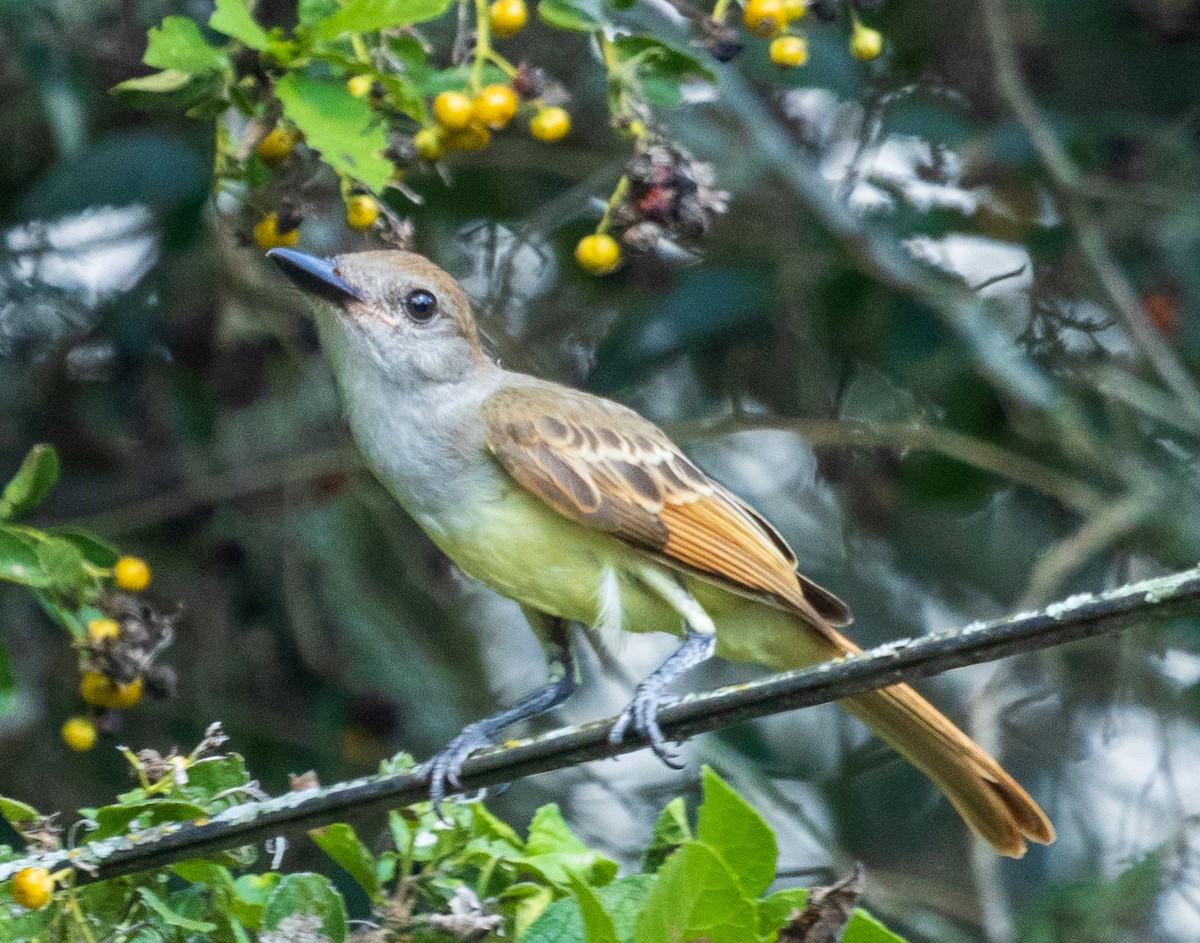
x=1080, y=617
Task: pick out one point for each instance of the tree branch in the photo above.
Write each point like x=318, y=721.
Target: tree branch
x=1079, y=617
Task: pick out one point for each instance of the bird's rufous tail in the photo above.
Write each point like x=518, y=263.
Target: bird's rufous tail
x=987, y=798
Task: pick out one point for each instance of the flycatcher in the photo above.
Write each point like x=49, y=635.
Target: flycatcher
x=582, y=511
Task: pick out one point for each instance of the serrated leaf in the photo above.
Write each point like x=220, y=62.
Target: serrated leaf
x=14, y=811
x=371, y=16
x=728, y=825
x=19, y=561
x=697, y=896
x=671, y=830
x=305, y=895
x=170, y=917
x=233, y=18
x=179, y=44
x=342, y=844
x=115, y=819
x=206, y=778
x=339, y=126
x=553, y=852
x=32, y=482
x=62, y=563
x=582, y=16
x=94, y=550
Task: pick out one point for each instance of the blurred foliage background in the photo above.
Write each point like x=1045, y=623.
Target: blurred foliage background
x=945, y=339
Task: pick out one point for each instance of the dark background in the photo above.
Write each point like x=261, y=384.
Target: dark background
x=935, y=455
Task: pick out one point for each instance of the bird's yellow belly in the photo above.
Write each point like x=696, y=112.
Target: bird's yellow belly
x=527, y=551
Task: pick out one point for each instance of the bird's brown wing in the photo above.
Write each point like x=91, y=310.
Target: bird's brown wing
x=603, y=465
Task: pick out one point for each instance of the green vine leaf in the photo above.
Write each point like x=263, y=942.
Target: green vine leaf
x=233, y=18
x=371, y=16
x=32, y=482
x=340, y=127
x=178, y=44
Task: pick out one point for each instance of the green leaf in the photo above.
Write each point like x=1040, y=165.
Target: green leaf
x=623, y=900
x=94, y=550
x=671, y=830
x=657, y=69
x=487, y=825
x=339, y=126
x=697, y=895
x=115, y=819
x=583, y=16
x=62, y=563
x=233, y=18
x=311, y=12
x=774, y=911
x=170, y=89
x=728, y=825
x=340, y=842
x=598, y=926
x=251, y=892
x=863, y=928
x=217, y=774
x=14, y=811
x=554, y=853
x=19, y=561
x=179, y=44
x=307, y=895
x=31, y=483
x=170, y=917
x=371, y=16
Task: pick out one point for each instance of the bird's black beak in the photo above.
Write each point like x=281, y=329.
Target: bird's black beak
x=315, y=275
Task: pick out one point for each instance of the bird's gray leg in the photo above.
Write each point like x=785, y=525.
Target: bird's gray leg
x=446, y=766
x=700, y=641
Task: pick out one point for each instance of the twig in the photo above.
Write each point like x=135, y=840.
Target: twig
x=1078, y=617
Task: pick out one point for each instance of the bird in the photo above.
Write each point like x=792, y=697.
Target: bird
x=584, y=512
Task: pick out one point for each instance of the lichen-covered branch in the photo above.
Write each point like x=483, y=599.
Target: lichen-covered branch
x=1079, y=617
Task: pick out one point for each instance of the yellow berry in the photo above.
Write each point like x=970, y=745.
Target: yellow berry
x=598, y=253
x=276, y=147
x=359, y=85
x=550, y=124
x=99, y=689
x=361, y=212
x=764, y=18
x=507, y=17
x=496, y=106
x=474, y=137
x=794, y=9
x=100, y=629
x=429, y=145
x=79, y=734
x=865, y=43
x=32, y=888
x=787, y=52
x=267, y=235
x=133, y=573
x=452, y=110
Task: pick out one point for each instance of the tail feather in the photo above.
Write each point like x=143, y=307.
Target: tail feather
x=988, y=799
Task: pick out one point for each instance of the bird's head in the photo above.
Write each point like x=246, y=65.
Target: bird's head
x=395, y=311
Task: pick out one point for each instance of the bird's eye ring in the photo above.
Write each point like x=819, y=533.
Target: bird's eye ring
x=420, y=305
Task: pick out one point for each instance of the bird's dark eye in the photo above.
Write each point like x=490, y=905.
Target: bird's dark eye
x=420, y=305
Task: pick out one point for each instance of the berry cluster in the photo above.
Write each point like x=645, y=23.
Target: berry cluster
x=775, y=20
x=119, y=654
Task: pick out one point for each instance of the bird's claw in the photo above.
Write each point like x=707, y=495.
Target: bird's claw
x=446, y=766
x=642, y=715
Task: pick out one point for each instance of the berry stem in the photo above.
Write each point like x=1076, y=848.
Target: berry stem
x=720, y=11
x=77, y=913
x=618, y=195
x=483, y=44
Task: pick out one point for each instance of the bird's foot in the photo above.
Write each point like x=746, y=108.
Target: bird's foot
x=642, y=714
x=446, y=766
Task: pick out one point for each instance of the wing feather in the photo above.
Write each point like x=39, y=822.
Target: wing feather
x=599, y=463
